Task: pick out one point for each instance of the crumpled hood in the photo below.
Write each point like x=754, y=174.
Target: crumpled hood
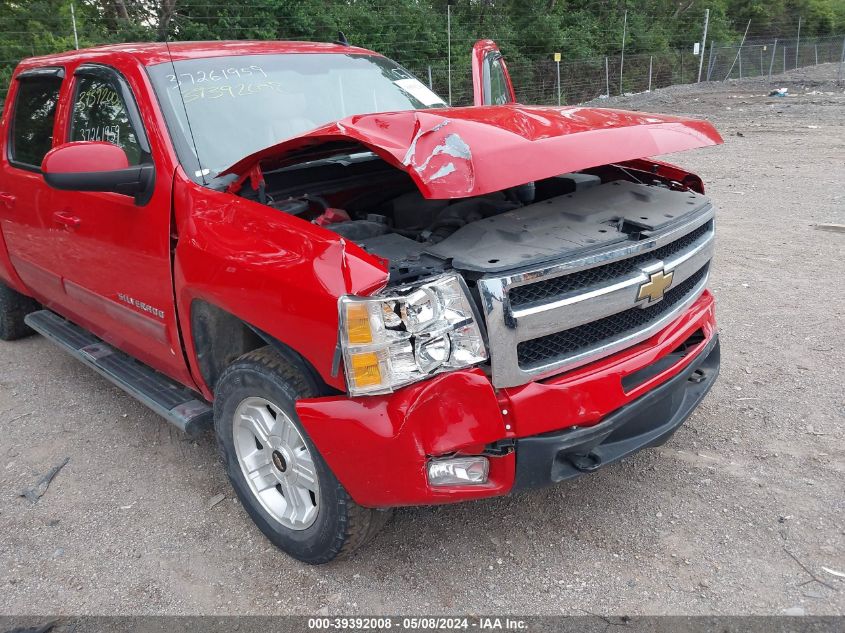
x=462, y=152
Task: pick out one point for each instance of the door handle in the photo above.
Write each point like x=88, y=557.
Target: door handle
x=7, y=199
x=66, y=219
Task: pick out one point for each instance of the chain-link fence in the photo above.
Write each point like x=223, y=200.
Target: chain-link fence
x=586, y=79
x=535, y=74
x=770, y=56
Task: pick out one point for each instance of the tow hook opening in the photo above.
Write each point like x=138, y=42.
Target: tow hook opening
x=697, y=376
x=586, y=463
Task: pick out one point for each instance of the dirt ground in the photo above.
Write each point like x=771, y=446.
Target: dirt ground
x=730, y=517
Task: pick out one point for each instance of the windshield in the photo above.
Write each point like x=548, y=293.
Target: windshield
x=238, y=105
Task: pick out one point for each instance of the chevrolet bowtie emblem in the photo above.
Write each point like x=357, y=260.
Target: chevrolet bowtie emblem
x=656, y=285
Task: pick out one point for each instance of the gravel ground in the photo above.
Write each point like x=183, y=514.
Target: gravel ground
x=703, y=525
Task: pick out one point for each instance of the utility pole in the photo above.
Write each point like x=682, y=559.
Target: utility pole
x=557, y=63
x=841, y=62
x=650, y=64
x=607, y=76
x=771, y=63
x=739, y=52
x=449, y=46
x=798, y=42
x=73, y=19
x=710, y=62
x=622, y=62
x=430, y=83
x=703, y=43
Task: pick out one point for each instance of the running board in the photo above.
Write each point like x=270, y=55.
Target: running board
x=177, y=404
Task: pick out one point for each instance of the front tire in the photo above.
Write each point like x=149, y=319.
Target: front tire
x=280, y=478
x=13, y=308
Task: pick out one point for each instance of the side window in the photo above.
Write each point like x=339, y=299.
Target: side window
x=499, y=92
x=32, y=123
x=100, y=114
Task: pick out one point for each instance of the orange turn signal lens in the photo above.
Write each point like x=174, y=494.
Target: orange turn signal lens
x=358, y=330
x=365, y=369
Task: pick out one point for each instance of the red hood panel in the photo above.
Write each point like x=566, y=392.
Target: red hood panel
x=461, y=152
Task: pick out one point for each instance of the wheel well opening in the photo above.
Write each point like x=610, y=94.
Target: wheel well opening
x=219, y=338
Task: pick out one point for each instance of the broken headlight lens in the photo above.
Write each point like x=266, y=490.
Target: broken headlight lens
x=407, y=334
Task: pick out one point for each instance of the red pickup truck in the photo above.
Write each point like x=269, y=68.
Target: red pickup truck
x=376, y=299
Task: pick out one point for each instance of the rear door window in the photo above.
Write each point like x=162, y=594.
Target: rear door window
x=498, y=91
x=100, y=114
x=34, y=115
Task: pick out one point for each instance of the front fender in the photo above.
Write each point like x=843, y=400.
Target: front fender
x=273, y=271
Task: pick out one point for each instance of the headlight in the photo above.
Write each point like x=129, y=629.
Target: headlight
x=408, y=334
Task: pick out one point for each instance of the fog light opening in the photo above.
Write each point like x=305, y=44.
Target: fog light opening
x=458, y=471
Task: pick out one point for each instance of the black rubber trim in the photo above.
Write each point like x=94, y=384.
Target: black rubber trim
x=296, y=360
x=43, y=71
x=632, y=381
x=648, y=421
x=137, y=181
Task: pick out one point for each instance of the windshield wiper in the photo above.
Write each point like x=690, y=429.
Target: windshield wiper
x=338, y=159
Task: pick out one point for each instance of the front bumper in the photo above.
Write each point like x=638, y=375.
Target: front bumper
x=648, y=421
x=379, y=446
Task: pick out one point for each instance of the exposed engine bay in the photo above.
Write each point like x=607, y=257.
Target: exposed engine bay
x=370, y=203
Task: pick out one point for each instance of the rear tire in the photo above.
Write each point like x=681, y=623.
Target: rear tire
x=13, y=308
x=281, y=480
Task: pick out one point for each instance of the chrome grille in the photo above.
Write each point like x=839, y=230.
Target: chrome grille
x=541, y=350
x=544, y=290
x=546, y=320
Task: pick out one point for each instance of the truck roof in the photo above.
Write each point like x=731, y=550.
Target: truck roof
x=151, y=53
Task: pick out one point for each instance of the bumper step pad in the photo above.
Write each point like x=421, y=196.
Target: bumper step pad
x=177, y=404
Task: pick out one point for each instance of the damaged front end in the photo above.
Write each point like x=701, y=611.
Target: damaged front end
x=517, y=239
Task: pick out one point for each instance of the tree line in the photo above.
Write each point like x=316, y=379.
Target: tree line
x=414, y=31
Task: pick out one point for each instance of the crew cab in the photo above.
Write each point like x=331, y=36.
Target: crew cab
x=377, y=300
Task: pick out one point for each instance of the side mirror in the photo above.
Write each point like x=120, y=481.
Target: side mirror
x=97, y=166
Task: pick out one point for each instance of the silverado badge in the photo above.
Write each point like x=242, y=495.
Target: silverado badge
x=656, y=285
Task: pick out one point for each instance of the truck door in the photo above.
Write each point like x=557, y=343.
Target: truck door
x=491, y=82
x=34, y=241
x=116, y=260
